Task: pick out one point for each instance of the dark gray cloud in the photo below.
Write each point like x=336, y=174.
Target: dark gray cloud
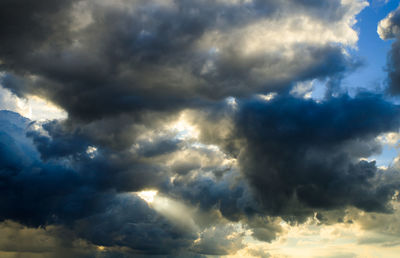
x=25, y=25
x=296, y=157
x=96, y=60
x=38, y=193
x=90, y=195
x=229, y=196
x=300, y=155
x=128, y=221
x=124, y=71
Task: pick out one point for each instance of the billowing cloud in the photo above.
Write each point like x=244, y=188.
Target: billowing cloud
x=95, y=59
x=73, y=195
x=188, y=127
x=300, y=150
x=388, y=28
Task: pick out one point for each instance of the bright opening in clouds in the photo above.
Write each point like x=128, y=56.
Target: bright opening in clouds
x=203, y=128
x=148, y=196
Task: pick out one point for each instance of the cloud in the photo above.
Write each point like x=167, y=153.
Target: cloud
x=38, y=193
x=162, y=96
x=150, y=55
x=388, y=28
x=61, y=185
x=300, y=155
x=219, y=240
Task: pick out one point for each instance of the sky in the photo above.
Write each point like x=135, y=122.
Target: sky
x=202, y=128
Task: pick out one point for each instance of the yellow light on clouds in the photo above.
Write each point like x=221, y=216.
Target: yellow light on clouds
x=148, y=196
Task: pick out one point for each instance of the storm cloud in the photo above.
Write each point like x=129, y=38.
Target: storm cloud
x=95, y=59
x=300, y=154
x=183, y=135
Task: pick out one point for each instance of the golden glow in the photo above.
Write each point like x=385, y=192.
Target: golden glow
x=148, y=196
x=183, y=128
x=267, y=97
x=91, y=151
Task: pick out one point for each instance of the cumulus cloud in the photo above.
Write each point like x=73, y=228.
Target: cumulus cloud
x=86, y=193
x=388, y=28
x=72, y=195
x=93, y=195
x=136, y=55
x=299, y=154
x=192, y=102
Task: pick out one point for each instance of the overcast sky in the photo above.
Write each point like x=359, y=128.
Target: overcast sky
x=199, y=128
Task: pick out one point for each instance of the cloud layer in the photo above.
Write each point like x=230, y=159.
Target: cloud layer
x=97, y=59
x=174, y=143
